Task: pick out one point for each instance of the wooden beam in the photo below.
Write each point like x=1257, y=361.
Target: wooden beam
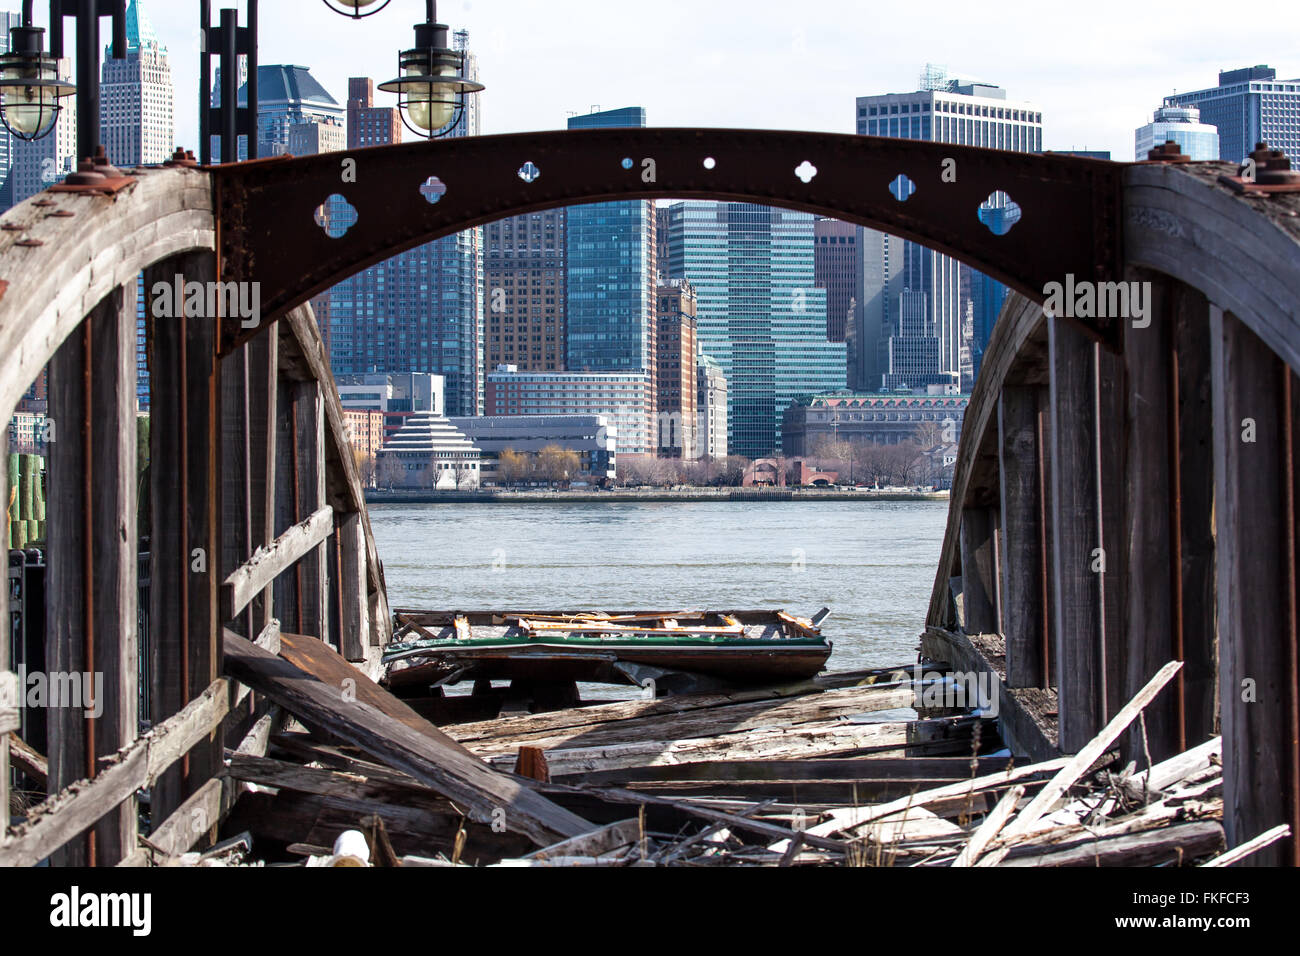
x=185, y=549
x=190, y=821
x=1253, y=587
x=1076, y=559
x=1199, y=678
x=1023, y=557
x=28, y=761
x=1149, y=530
x=978, y=572
x=263, y=353
x=354, y=623
x=487, y=796
x=91, y=628
x=251, y=578
x=309, y=409
x=285, y=513
x=72, y=810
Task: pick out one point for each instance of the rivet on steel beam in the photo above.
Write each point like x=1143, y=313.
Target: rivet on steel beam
x=1273, y=167
x=1168, y=152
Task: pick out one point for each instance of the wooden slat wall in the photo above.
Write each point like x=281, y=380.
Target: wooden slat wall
x=1149, y=531
x=1022, y=554
x=309, y=412
x=979, y=571
x=1258, y=750
x=1077, y=614
x=185, y=460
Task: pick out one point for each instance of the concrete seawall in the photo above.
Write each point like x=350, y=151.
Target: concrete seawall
x=655, y=494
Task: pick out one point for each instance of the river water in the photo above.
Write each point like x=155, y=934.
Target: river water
x=871, y=563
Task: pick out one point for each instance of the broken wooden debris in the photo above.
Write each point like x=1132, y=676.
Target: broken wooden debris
x=486, y=795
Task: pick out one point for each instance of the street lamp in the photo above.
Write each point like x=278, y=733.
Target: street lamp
x=30, y=87
x=352, y=8
x=430, y=86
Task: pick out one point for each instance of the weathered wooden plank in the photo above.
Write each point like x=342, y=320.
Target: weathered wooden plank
x=486, y=795
x=610, y=837
x=69, y=739
x=285, y=512
x=978, y=577
x=187, y=825
x=27, y=760
x=1077, y=558
x=1078, y=765
x=1149, y=529
x=309, y=409
x=252, y=577
x=9, y=716
x=1022, y=564
x=810, y=739
x=185, y=551
x=708, y=722
x=114, y=542
x=312, y=656
x=354, y=623
x=102, y=246
x=1199, y=678
x=1253, y=588
x=1180, y=843
x=71, y=811
x=1109, y=422
x=263, y=353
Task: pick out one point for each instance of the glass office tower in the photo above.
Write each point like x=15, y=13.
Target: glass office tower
x=1248, y=106
x=759, y=313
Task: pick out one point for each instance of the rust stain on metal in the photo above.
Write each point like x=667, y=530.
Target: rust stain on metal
x=1070, y=206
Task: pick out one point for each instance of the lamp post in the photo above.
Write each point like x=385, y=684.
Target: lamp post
x=430, y=86
x=353, y=8
x=30, y=87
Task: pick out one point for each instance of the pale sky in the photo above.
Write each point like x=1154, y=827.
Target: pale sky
x=1096, y=69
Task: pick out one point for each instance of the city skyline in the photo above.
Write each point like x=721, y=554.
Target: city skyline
x=722, y=56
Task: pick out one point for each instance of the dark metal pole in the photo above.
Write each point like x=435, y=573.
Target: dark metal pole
x=87, y=78
x=229, y=87
x=205, y=84
x=251, y=52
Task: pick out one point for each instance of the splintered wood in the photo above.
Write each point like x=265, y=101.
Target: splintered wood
x=839, y=770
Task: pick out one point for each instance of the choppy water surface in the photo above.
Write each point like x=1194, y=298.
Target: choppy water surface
x=871, y=563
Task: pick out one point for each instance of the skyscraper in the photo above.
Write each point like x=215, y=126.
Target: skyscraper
x=524, y=266
x=422, y=310
x=835, y=264
x=137, y=125
x=1248, y=106
x=943, y=111
x=610, y=299
x=677, y=345
x=1183, y=125
x=136, y=117
x=286, y=95
x=759, y=314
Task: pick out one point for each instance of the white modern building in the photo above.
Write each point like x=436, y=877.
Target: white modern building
x=711, y=406
x=593, y=437
x=428, y=452
x=1183, y=125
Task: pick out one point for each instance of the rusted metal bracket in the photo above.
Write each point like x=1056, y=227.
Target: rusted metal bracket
x=270, y=230
x=1270, y=174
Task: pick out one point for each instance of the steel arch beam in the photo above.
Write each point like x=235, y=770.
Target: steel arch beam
x=1070, y=206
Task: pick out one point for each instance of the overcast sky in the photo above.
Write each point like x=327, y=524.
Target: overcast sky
x=1096, y=69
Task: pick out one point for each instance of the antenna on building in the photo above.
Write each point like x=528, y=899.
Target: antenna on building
x=934, y=77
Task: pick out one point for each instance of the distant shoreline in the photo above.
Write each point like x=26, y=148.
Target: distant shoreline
x=501, y=496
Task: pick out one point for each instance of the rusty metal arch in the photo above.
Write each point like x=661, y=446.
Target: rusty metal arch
x=1070, y=206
